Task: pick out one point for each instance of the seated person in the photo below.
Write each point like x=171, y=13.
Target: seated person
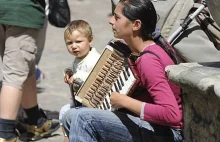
x=78, y=38
x=154, y=114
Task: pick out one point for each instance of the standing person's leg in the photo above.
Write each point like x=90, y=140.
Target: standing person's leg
x=7, y=114
x=19, y=78
x=38, y=125
x=15, y=71
x=2, y=40
x=40, y=42
x=40, y=47
x=92, y=125
x=11, y=92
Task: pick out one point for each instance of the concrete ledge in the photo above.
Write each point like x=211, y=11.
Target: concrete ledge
x=198, y=76
x=200, y=83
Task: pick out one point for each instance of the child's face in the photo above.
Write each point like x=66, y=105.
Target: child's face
x=77, y=44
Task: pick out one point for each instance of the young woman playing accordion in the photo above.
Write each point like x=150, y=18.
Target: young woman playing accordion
x=155, y=114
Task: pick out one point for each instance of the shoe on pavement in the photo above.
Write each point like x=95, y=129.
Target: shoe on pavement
x=39, y=75
x=16, y=139
x=35, y=133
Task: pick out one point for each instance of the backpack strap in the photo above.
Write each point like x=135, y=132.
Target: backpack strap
x=138, y=90
x=134, y=57
x=144, y=52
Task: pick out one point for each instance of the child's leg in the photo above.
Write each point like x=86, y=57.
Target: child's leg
x=63, y=110
x=66, y=139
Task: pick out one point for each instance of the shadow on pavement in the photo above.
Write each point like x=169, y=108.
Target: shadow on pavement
x=23, y=137
x=40, y=89
x=52, y=114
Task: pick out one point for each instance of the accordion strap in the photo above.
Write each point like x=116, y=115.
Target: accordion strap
x=144, y=52
x=136, y=90
x=134, y=57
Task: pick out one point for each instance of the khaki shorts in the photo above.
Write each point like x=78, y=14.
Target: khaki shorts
x=17, y=49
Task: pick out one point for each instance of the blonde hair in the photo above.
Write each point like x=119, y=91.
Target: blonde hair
x=81, y=26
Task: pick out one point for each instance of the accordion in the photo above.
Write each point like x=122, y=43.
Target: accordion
x=112, y=72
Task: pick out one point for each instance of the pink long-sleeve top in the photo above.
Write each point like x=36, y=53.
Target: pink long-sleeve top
x=163, y=102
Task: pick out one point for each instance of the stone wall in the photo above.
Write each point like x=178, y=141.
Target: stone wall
x=200, y=84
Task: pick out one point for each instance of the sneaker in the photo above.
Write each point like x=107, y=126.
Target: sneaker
x=16, y=139
x=22, y=120
x=39, y=75
x=36, y=133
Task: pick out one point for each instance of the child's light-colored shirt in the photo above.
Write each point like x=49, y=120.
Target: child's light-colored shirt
x=81, y=69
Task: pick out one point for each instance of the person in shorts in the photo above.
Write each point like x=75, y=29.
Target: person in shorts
x=20, y=22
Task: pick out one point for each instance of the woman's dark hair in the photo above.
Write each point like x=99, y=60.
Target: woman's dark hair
x=144, y=11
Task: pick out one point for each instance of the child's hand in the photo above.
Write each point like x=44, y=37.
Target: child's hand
x=68, y=78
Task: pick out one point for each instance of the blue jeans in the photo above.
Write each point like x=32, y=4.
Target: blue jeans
x=93, y=125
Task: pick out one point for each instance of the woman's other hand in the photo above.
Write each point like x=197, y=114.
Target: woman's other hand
x=117, y=99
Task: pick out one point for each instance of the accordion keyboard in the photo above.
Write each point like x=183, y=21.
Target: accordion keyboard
x=122, y=85
x=108, y=75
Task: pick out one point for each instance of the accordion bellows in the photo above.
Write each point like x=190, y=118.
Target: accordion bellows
x=111, y=73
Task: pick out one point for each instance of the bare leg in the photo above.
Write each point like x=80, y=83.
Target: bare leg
x=66, y=139
x=10, y=100
x=29, y=99
x=12, y=97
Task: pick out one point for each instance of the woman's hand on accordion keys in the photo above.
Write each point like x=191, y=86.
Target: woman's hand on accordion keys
x=116, y=100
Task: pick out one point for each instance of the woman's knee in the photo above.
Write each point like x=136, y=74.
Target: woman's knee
x=71, y=115
x=67, y=118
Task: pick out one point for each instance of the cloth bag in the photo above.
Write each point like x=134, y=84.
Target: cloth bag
x=59, y=13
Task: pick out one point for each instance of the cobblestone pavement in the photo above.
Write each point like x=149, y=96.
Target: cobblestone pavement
x=53, y=93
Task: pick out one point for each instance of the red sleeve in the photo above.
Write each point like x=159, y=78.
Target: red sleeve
x=164, y=110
